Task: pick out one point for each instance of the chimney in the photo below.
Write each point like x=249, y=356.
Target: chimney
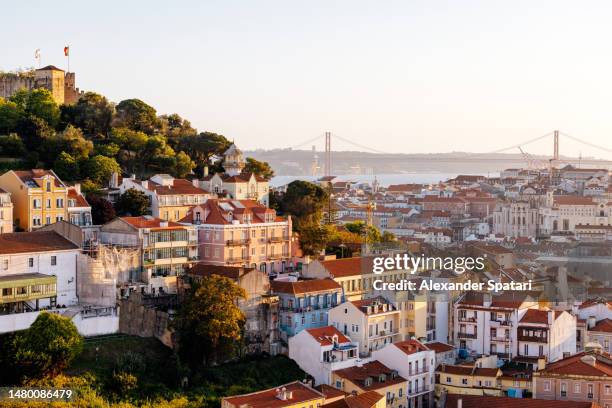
x=589, y=359
x=591, y=322
x=145, y=184
x=550, y=315
x=459, y=403
x=205, y=171
x=77, y=188
x=541, y=363
x=195, y=182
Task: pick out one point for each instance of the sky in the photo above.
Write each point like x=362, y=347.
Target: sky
x=395, y=76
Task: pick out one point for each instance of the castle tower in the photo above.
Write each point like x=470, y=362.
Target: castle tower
x=233, y=161
x=51, y=78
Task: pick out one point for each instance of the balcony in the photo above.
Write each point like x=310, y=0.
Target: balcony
x=463, y=335
x=273, y=240
x=237, y=242
x=501, y=339
x=383, y=333
x=421, y=370
x=465, y=319
x=277, y=256
x=414, y=391
x=234, y=260
x=501, y=322
x=534, y=339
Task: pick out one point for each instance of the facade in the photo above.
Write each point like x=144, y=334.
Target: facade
x=601, y=333
x=373, y=376
x=445, y=353
x=564, y=213
x=79, y=210
x=242, y=233
x=515, y=220
x=585, y=377
x=40, y=198
x=546, y=333
x=305, y=304
x=486, y=324
x=61, y=84
x=165, y=248
x=373, y=323
x=320, y=351
x=261, y=329
x=468, y=380
x=6, y=212
x=37, y=270
x=170, y=198
x=416, y=363
x=292, y=395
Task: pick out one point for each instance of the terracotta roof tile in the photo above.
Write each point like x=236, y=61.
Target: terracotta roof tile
x=324, y=335
x=477, y=401
x=38, y=241
x=304, y=286
x=374, y=369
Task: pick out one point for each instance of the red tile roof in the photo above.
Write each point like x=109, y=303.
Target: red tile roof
x=348, y=266
x=301, y=394
x=440, y=347
x=38, y=241
x=477, y=401
x=304, y=286
x=232, y=272
x=578, y=364
x=34, y=174
x=149, y=222
x=179, y=186
x=604, y=325
x=367, y=399
x=374, y=369
x=79, y=198
x=324, y=335
x=410, y=346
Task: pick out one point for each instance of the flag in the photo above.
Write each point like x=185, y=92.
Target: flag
x=66, y=51
x=37, y=53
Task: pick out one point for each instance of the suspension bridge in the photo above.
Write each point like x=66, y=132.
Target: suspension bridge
x=533, y=161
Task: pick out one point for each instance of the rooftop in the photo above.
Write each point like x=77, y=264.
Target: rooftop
x=38, y=241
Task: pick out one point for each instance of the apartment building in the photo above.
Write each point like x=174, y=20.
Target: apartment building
x=564, y=213
x=37, y=270
x=416, y=363
x=545, y=333
x=468, y=380
x=78, y=209
x=291, y=395
x=585, y=377
x=260, y=308
x=373, y=376
x=600, y=333
x=475, y=401
x=305, y=304
x=169, y=198
x=242, y=233
x=519, y=219
x=165, y=248
x=445, y=353
x=320, y=351
x=39, y=198
x=373, y=323
x=6, y=212
x=486, y=324
x=456, y=206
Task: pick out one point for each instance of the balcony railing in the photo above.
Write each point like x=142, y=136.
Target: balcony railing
x=272, y=240
x=237, y=242
x=534, y=339
x=384, y=333
x=502, y=339
x=424, y=388
x=463, y=335
x=239, y=259
x=421, y=370
x=502, y=322
x=467, y=319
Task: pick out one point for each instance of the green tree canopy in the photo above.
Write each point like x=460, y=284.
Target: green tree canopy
x=66, y=167
x=9, y=116
x=38, y=102
x=132, y=203
x=136, y=115
x=70, y=140
x=48, y=346
x=304, y=201
x=202, y=147
x=100, y=168
x=12, y=146
x=262, y=169
x=93, y=114
x=209, y=322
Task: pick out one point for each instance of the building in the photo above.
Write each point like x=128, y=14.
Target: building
x=515, y=220
x=585, y=377
x=242, y=233
x=305, y=304
x=292, y=395
x=61, y=84
x=545, y=333
x=474, y=401
x=485, y=324
x=37, y=270
x=79, y=210
x=565, y=212
x=6, y=212
x=445, y=353
x=165, y=249
x=601, y=333
x=373, y=376
x=369, y=399
x=235, y=183
x=373, y=323
x=170, y=198
x=260, y=308
x=40, y=198
x=320, y=351
x=468, y=380
x=416, y=363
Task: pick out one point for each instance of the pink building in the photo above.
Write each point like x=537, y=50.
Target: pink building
x=242, y=233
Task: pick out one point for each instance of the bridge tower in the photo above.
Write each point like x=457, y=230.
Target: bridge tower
x=328, y=158
x=556, y=145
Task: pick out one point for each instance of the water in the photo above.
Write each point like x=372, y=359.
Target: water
x=384, y=179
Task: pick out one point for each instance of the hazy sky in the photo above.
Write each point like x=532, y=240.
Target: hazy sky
x=409, y=76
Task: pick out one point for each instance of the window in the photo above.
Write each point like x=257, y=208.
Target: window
x=53, y=260
x=48, y=203
x=577, y=388
x=59, y=203
x=563, y=389
x=5, y=264
x=464, y=381
x=546, y=385
x=31, y=262
x=448, y=380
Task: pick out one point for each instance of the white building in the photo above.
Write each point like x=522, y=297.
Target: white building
x=37, y=269
x=319, y=351
x=515, y=220
x=373, y=323
x=564, y=213
x=6, y=212
x=414, y=362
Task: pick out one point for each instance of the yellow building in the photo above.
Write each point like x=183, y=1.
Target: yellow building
x=373, y=376
x=39, y=197
x=468, y=380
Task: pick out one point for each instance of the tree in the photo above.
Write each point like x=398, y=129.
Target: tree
x=99, y=169
x=305, y=202
x=102, y=211
x=314, y=238
x=9, y=116
x=133, y=203
x=12, y=146
x=202, y=147
x=209, y=322
x=93, y=113
x=70, y=140
x=175, y=127
x=136, y=115
x=38, y=102
x=183, y=165
x=259, y=168
x=48, y=346
x=66, y=167
x=33, y=131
